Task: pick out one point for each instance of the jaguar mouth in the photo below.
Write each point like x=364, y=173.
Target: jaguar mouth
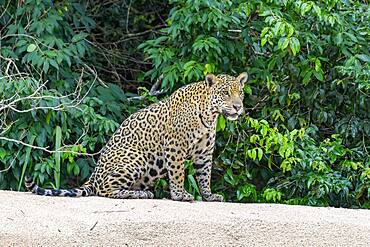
x=231, y=116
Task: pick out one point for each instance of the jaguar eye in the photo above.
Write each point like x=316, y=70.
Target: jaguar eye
x=227, y=93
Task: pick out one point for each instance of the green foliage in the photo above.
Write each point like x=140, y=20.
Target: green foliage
x=309, y=66
x=272, y=195
x=304, y=138
x=122, y=25
x=49, y=97
x=323, y=176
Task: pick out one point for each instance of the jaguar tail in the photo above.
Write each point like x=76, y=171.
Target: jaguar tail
x=86, y=189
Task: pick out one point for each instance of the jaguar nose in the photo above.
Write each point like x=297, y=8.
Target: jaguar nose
x=237, y=107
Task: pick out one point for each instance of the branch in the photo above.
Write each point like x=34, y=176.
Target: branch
x=153, y=91
x=11, y=62
x=27, y=36
x=93, y=71
x=11, y=164
x=45, y=149
x=73, y=104
x=3, y=106
x=133, y=35
x=6, y=8
x=258, y=103
x=235, y=30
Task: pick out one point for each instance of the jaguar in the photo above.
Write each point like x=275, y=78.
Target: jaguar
x=155, y=141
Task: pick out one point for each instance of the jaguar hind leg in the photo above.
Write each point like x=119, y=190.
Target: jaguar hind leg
x=132, y=194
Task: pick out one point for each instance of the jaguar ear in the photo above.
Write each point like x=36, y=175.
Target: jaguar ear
x=242, y=78
x=210, y=79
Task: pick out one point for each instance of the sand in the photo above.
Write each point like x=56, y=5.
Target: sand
x=30, y=220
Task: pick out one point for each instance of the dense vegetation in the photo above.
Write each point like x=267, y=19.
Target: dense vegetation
x=70, y=72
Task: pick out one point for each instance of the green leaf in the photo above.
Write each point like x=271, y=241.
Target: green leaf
x=209, y=68
x=317, y=64
x=253, y=154
x=76, y=169
x=68, y=60
x=79, y=37
x=290, y=29
x=260, y=153
x=26, y=161
x=364, y=57
x=269, y=162
x=51, y=53
x=285, y=165
x=2, y=153
x=193, y=183
x=264, y=31
x=283, y=43
x=21, y=43
x=253, y=138
x=307, y=77
x=189, y=67
x=352, y=37
x=31, y=47
x=54, y=64
x=319, y=76
x=294, y=45
x=338, y=39
x=310, y=181
x=247, y=89
x=317, y=10
x=58, y=142
x=282, y=150
x=45, y=67
x=12, y=29
x=70, y=168
x=221, y=123
x=263, y=41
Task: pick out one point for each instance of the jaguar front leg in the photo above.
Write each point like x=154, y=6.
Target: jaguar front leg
x=203, y=166
x=202, y=160
x=176, y=175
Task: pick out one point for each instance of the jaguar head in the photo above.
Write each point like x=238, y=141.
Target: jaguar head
x=227, y=94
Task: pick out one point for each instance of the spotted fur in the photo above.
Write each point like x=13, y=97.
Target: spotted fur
x=155, y=141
